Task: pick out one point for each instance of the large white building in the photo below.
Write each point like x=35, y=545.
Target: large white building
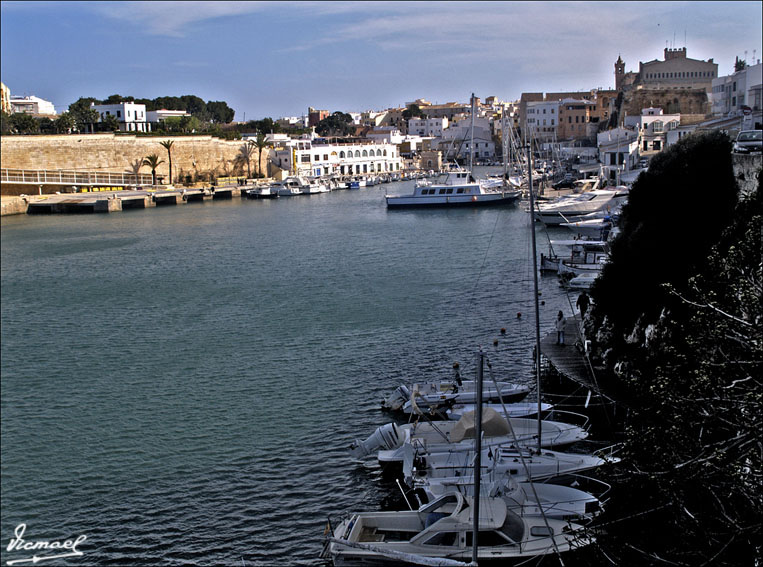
x=305, y=157
x=734, y=94
x=32, y=105
x=132, y=117
x=430, y=127
x=542, y=119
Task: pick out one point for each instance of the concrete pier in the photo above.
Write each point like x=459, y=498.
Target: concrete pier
x=112, y=201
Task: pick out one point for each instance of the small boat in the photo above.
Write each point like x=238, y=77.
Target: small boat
x=421, y=467
x=572, y=208
x=358, y=183
x=517, y=409
x=596, y=226
x=440, y=533
x=458, y=189
x=441, y=393
x=581, y=281
x=266, y=192
x=313, y=187
x=390, y=440
x=584, y=256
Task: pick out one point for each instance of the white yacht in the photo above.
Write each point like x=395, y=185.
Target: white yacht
x=441, y=532
x=572, y=208
x=458, y=189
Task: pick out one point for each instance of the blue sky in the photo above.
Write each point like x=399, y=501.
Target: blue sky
x=277, y=58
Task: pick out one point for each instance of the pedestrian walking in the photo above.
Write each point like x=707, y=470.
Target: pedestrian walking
x=560, y=323
x=583, y=302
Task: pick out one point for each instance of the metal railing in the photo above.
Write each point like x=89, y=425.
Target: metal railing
x=72, y=177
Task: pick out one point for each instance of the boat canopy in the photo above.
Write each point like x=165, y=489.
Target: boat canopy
x=493, y=425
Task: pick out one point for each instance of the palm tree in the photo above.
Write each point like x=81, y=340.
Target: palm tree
x=261, y=144
x=167, y=145
x=153, y=162
x=246, y=155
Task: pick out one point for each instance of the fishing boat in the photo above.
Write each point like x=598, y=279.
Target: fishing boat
x=584, y=256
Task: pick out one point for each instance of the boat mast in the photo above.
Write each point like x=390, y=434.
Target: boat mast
x=471, y=139
x=504, y=144
x=477, y=456
x=535, y=288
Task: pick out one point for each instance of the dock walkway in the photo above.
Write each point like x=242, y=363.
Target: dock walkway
x=569, y=359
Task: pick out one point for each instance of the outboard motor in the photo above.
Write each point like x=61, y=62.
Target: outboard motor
x=395, y=401
x=386, y=437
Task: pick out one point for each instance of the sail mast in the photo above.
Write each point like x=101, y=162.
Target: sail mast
x=471, y=139
x=477, y=457
x=535, y=288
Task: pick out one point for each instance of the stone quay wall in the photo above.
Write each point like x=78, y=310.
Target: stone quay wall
x=197, y=156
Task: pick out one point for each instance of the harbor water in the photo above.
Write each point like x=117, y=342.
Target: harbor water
x=181, y=384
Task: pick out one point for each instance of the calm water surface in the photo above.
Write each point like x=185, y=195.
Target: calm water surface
x=180, y=384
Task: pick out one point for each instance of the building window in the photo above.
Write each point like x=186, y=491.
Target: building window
x=341, y=154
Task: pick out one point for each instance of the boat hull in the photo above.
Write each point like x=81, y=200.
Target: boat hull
x=436, y=201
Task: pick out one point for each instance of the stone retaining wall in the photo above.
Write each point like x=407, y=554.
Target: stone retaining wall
x=198, y=156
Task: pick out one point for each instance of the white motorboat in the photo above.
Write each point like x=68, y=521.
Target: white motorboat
x=439, y=393
x=571, y=208
x=290, y=186
x=313, y=187
x=458, y=189
x=581, y=281
x=390, y=441
x=554, y=500
x=522, y=464
x=266, y=192
x=440, y=533
x=517, y=409
x=594, y=226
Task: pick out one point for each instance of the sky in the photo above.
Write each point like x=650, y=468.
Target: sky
x=275, y=59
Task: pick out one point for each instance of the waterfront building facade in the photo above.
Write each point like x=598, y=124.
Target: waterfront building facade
x=309, y=158
x=432, y=127
x=578, y=119
x=31, y=105
x=738, y=93
x=652, y=127
x=542, y=119
x=132, y=117
x=618, y=152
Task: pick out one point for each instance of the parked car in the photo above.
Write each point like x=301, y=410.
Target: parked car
x=749, y=141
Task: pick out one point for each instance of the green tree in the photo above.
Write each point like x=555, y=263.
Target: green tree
x=220, y=112
x=84, y=115
x=411, y=111
x=64, y=124
x=167, y=145
x=5, y=122
x=338, y=124
x=110, y=123
x=684, y=358
x=22, y=123
x=261, y=144
x=153, y=162
x=245, y=154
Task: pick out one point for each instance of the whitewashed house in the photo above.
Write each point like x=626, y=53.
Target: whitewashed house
x=32, y=105
x=132, y=117
x=652, y=126
x=618, y=152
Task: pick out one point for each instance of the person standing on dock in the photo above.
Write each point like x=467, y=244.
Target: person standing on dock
x=559, y=324
x=583, y=302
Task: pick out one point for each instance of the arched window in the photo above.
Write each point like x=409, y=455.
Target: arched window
x=365, y=153
x=341, y=154
x=371, y=153
x=385, y=153
x=357, y=153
